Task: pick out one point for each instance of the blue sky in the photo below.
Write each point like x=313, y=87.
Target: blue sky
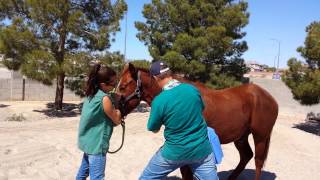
x=284, y=20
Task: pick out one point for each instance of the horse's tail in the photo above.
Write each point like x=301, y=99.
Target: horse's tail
x=266, y=149
x=263, y=119
x=272, y=103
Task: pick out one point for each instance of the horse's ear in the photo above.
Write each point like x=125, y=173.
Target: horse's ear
x=129, y=67
x=132, y=69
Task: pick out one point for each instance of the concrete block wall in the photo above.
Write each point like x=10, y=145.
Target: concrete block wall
x=5, y=92
x=34, y=91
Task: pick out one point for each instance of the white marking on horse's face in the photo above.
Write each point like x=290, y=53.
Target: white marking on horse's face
x=117, y=88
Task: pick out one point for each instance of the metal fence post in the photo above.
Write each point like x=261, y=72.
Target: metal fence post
x=23, y=87
x=11, y=85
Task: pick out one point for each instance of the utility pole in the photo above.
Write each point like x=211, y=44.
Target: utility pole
x=279, y=46
x=125, y=37
x=274, y=62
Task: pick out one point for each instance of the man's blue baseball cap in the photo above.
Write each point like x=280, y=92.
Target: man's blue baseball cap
x=158, y=67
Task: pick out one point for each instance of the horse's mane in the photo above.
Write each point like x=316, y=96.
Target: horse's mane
x=143, y=69
x=180, y=78
x=185, y=80
x=138, y=69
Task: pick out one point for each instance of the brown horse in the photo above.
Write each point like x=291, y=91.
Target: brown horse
x=234, y=113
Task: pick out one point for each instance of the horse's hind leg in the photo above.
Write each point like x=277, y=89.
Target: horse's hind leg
x=261, y=152
x=186, y=173
x=245, y=155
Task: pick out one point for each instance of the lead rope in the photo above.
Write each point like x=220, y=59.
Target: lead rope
x=123, y=125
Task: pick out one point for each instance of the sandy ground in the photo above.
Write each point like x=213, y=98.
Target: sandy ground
x=43, y=146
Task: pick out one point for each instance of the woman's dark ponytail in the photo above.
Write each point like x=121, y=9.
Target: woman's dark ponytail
x=91, y=86
x=98, y=74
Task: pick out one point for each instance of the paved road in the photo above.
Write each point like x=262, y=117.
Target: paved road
x=284, y=97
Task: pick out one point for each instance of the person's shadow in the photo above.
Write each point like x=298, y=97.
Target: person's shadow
x=247, y=174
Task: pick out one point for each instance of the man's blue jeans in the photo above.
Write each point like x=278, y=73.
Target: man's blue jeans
x=93, y=165
x=159, y=167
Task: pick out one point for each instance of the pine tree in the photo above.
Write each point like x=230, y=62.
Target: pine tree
x=199, y=38
x=141, y=63
x=81, y=65
x=38, y=36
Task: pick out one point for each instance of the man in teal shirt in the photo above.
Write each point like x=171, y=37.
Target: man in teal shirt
x=179, y=109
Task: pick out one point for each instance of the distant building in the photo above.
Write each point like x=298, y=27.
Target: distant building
x=255, y=67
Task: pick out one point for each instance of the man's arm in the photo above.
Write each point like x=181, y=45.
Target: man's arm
x=155, y=118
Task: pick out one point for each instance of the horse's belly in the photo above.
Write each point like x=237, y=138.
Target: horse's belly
x=229, y=127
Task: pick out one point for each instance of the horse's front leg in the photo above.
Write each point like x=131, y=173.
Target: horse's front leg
x=186, y=173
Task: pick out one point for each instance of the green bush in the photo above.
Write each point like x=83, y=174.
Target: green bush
x=17, y=118
x=303, y=82
x=222, y=81
x=141, y=63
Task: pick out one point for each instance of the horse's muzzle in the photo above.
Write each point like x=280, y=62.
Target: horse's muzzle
x=119, y=103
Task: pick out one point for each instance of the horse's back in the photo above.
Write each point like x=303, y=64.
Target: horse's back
x=238, y=109
x=259, y=99
x=248, y=93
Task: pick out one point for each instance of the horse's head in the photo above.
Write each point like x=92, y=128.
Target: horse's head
x=135, y=85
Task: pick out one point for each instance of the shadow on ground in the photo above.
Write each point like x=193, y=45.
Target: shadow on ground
x=173, y=178
x=68, y=110
x=310, y=126
x=247, y=174
x=3, y=105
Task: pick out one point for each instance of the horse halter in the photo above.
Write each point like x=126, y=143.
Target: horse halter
x=136, y=94
x=123, y=101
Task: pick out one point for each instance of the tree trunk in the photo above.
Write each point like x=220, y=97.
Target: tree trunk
x=59, y=91
x=59, y=56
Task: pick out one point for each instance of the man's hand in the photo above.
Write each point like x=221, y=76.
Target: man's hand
x=156, y=131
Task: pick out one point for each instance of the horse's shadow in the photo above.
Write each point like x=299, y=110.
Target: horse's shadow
x=247, y=174
x=173, y=178
x=68, y=110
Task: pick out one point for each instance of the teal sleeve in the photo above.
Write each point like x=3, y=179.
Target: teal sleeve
x=155, y=119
